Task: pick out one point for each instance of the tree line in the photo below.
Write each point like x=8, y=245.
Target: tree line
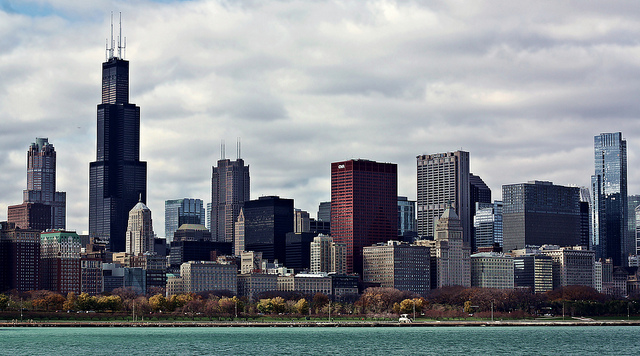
x=443, y=303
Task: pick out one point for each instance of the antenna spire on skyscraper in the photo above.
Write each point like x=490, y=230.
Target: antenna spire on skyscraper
x=111, y=45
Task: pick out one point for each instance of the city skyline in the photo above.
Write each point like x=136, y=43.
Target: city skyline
x=379, y=81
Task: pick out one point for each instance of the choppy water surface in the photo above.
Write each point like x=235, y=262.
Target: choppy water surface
x=585, y=340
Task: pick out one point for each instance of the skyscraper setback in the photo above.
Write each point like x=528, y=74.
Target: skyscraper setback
x=117, y=179
x=43, y=207
x=364, y=206
x=609, y=189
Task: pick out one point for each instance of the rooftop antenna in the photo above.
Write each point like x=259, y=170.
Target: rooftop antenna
x=238, y=149
x=111, y=44
x=120, y=46
x=222, y=147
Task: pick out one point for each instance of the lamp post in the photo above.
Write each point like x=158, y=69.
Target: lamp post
x=491, y=310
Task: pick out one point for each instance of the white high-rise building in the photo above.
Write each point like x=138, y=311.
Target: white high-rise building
x=139, y=235
x=452, y=255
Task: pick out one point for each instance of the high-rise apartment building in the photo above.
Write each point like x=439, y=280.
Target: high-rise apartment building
x=230, y=188
x=43, y=207
x=364, y=206
x=538, y=213
x=443, y=179
x=327, y=256
x=609, y=191
x=182, y=211
x=117, y=178
x=139, y=230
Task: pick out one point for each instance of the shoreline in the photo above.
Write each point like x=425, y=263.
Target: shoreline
x=5, y=324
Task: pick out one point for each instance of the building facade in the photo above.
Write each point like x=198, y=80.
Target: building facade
x=443, y=179
x=538, y=213
x=139, y=230
x=492, y=270
x=60, y=262
x=572, y=266
x=182, y=211
x=534, y=271
x=230, y=188
x=407, y=230
x=398, y=265
x=609, y=198
x=19, y=259
x=487, y=225
x=267, y=221
x=452, y=255
x=201, y=276
x=117, y=178
x=43, y=207
x=364, y=208
x=327, y=256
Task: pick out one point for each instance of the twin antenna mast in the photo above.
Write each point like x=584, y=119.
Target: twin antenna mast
x=111, y=45
x=223, y=148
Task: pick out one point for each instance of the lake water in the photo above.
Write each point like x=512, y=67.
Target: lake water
x=564, y=340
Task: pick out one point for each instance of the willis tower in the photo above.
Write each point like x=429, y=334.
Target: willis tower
x=117, y=178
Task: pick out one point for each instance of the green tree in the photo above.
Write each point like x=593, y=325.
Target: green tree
x=158, y=303
x=4, y=302
x=302, y=306
x=70, y=303
x=265, y=306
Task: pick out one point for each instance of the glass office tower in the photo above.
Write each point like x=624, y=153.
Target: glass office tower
x=609, y=189
x=117, y=178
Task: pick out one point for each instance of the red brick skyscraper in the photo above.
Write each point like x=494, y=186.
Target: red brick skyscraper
x=364, y=206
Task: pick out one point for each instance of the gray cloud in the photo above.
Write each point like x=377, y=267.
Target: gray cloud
x=523, y=86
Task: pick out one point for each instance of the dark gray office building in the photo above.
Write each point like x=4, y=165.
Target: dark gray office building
x=538, y=213
x=266, y=224
x=117, y=178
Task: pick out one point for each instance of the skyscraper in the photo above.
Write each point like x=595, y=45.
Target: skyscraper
x=139, y=230
x=266, y=224
x=230, y=188
x=43, y=207
x=364, y=206
x=538, y=213
x=609, y=189
x=487, y=223
x=443, y=179
x=182, y=211
x=117, y=178
x=453, y=263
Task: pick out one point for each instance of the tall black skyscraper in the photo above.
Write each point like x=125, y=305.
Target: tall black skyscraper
x=117, y=179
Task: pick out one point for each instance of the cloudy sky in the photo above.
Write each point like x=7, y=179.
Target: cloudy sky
x=522, y=86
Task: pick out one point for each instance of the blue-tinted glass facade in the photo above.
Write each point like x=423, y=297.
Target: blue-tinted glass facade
x=182, y=211
x=609, y=189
